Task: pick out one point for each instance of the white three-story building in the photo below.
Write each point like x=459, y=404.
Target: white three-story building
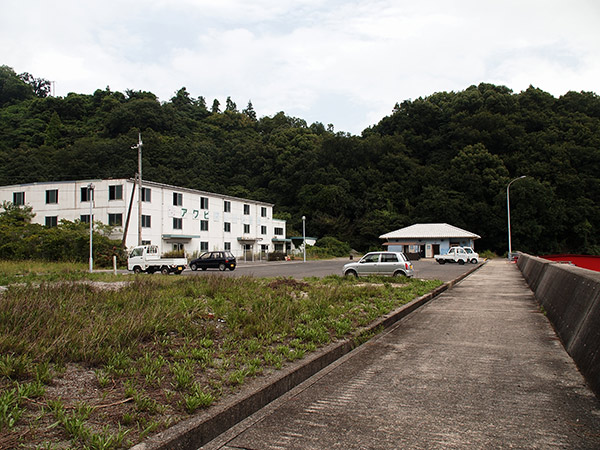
x=172, y=217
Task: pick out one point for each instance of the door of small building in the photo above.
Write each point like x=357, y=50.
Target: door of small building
x=436, y=249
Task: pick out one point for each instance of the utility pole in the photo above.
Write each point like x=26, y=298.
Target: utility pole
x=90, y=188
x=139, y=181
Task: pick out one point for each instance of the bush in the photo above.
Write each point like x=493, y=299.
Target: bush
x=276, y=256
x=69, y=241
x=333, y=246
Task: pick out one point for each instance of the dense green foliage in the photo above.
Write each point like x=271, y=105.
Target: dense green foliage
x=444, y=158
x=69, y=241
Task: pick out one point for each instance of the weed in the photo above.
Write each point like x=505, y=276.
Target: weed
x=183, y=375
x=14, y=367
x=103, y=378
x=197, y=399
x=10, y=412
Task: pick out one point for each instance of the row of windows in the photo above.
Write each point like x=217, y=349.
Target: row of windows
x=178, y=225
x=115, y=192
x=113, y=219
x=117, y=221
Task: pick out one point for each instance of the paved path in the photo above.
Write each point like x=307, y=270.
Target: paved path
x=478, y=367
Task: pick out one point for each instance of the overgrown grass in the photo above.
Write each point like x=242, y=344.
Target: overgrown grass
x=83, y=366
x=35, y=271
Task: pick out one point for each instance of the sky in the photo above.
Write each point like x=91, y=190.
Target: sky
x=336, y=62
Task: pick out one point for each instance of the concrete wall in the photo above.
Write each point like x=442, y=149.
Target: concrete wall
x=571, y=298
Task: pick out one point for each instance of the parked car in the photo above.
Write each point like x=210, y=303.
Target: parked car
x=380, y=263
x=145, y=258
x=472, y=255
x=454, y=255
x=214, y=260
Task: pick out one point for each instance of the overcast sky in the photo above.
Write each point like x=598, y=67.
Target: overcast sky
x=330, y=61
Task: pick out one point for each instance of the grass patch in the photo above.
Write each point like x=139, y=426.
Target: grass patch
x=84, y=366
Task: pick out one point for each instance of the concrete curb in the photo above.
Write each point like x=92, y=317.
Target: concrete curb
x=201, y=429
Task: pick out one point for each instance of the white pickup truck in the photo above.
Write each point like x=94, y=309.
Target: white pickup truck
x=454, y=255
x=145, y=258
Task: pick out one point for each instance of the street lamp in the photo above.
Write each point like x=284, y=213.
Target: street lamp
x=90, y=188
x=508, y=211
x=304, y=236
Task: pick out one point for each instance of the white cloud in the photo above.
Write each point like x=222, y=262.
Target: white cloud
x=340, y=62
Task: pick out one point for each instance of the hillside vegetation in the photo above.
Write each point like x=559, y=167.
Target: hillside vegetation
x=444, y=158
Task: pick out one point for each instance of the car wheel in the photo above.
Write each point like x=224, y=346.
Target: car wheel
x=351, y=273
x=399, y=273
x=461, y=261
x=442, y=261
x=137, y=269
x=221, y=267
x=164, y=270
x=474, y=261
x=194, y=267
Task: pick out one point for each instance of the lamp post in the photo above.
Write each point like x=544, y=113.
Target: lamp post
x=90, y=188
x=508, y=211
x=304, y=236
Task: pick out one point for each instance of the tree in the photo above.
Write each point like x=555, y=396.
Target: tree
x=230, y=105
x=249, y=111
x=12, y=88
x=41, y=88
x=215, y=107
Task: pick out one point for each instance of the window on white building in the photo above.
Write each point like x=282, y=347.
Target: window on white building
x=246, y=210
x=203, y=202
x=227, y=227
x=86, y=194
x=263, y=211
x=226, y=206
x=227, y=246
x=85, y=218
x=177, y=223
x=203, y=246
x=246, y=228
x=51, y=221
x=18, y=198
x=263, y=229
x=146, y=221
x=115, y=192
x=204, y=225
x=177, y=247
x=146, y=195
x=278, y=231
x=51, y=196
x=177, y=199
x=115, y=220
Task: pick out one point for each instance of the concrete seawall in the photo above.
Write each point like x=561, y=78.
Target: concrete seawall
x=570, y=297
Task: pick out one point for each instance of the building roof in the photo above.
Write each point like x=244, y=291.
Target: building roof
x=429, y=230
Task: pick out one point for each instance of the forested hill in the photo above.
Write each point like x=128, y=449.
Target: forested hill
x=444, y=158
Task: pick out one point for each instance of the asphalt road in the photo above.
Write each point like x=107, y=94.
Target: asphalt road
x=424, y=268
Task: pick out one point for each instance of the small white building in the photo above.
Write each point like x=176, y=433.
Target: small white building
x=174, y=218
x=428, y=239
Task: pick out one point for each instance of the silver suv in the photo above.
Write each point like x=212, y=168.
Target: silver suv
x=380, y=263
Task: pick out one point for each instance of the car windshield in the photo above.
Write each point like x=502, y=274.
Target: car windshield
x=370, y=258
